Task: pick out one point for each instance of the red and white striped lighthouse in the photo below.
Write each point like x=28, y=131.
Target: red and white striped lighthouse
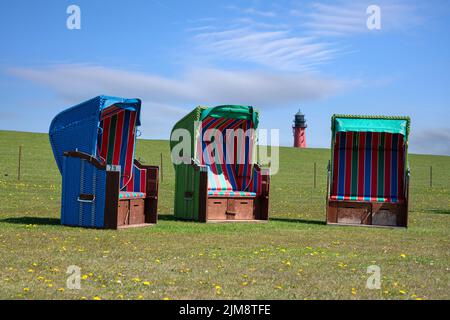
x=299, y=129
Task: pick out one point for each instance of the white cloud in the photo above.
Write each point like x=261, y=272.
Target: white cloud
x=166, y=100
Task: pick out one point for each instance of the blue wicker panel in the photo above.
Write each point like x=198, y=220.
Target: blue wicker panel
x=70, y=192
x=75, y=129
x=79, y=176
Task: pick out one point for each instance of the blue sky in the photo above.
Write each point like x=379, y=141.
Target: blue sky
x=276, y=55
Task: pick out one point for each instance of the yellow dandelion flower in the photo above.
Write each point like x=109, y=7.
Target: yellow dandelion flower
x=402, y=291
x=26, y=289
x=61, y=289
x=30, y=270
x=245, y=283
x=146, y=283
x=166, y=298
x=403, y=255
x=120, y=296
x=50, y=285
x=97, y=298
x=136, y=280
x=40, y=278
x=84, y=276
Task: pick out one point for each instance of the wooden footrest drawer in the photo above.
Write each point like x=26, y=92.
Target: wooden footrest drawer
x=131, y=212
x=230, y=208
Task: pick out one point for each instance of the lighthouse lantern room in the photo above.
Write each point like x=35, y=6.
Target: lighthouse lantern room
x=299, y=130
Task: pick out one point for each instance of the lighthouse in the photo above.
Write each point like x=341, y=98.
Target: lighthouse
x=299, y=130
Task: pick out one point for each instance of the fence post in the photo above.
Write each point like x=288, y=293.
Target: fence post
x=315, y=175
x=161, y=168
x=431, y=176
x=20, y=163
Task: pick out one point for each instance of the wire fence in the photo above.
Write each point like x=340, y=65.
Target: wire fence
x=429, y=182
x=428, y=190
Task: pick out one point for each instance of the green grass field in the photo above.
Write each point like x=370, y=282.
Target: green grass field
x=294, y=256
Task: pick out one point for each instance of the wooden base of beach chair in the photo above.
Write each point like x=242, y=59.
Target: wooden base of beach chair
x=232, y=209
x=140, y=212
x=367, y=213
x=121, y=209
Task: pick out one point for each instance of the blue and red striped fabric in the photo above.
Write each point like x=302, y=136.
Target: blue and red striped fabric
x=138, y=182
x=368, y=166
x=116, y=140
x=228, y=169
x=256, y=183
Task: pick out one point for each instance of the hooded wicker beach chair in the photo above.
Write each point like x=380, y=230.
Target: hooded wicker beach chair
x=368, y=174
x=220, y=180
x=103, y=186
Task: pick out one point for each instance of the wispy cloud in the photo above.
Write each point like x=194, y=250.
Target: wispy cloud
x=302, y=37
x=166, y=99
x=431, y=141
x=252, y=11
x=346, y=18
x=277, y=49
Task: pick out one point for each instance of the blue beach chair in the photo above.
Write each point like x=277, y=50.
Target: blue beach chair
x=103, y=186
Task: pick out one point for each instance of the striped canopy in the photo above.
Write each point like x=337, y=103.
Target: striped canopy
x=225, y=142
x=369, y=158
x=104, y=127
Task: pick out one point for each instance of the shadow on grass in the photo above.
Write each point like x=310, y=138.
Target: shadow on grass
x=320, y=223
x=171, y=217
x=438, y=211
x=32, y=220
x=167, y=217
